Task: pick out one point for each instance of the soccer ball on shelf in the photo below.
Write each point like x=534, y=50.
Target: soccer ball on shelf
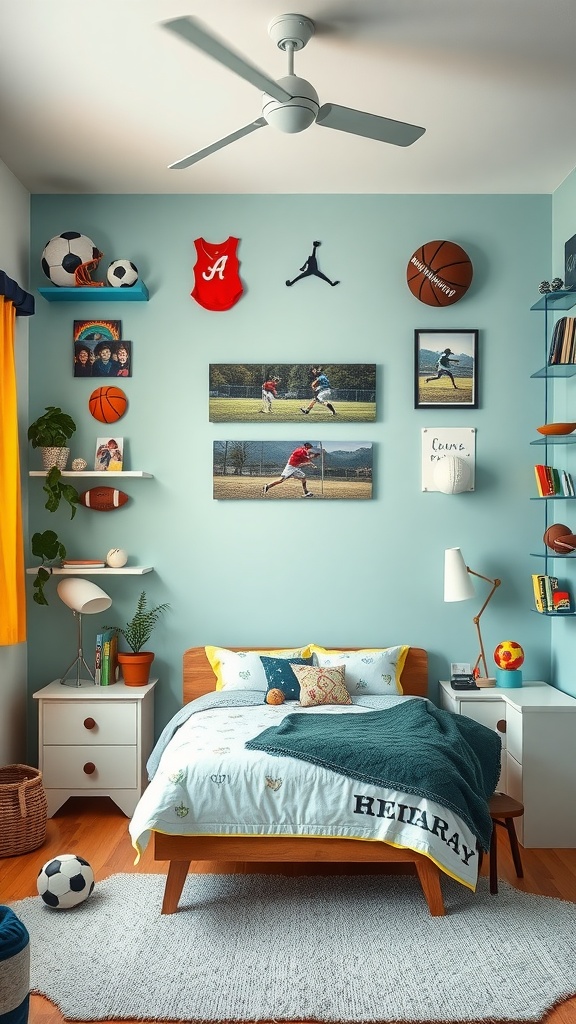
x=122, y=274
x=509, y=655
x=65, y=881
x=64, y=253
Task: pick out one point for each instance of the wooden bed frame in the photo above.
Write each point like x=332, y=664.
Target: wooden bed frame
x=180, y=851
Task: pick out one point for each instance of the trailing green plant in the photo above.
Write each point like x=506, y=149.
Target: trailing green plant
x=51, y=430
x=140, y=627
x=50, y=549
x=58, y=491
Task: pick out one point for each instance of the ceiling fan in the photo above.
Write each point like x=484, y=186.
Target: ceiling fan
x=291, y=104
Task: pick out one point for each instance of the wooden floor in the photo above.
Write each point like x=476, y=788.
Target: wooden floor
x=97, y=830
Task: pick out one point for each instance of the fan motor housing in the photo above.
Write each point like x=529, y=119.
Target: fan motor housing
x=296, y=114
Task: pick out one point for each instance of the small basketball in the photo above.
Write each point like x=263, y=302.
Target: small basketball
x=555, y=533
x=275, y=696
x=107, y=403
x=439, y=273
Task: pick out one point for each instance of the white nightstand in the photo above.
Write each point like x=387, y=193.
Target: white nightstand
x=95, y=741
x=537, y=725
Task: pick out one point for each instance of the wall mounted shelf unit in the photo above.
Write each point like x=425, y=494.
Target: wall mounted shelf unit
x=81, y=570
x=136, y=293
x=99, y=473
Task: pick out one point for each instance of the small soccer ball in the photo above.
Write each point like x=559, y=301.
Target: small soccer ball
x=122, y=274
x=509, y=655
x=64, y=253
x=275, y=696
x=65, y=881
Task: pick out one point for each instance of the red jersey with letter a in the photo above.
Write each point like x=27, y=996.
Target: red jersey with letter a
x=217, y=284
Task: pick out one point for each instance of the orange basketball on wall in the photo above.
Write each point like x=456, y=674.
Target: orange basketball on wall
x=439, y=273
x=107, y=403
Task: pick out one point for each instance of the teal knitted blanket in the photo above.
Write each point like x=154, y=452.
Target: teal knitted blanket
x=414, y=747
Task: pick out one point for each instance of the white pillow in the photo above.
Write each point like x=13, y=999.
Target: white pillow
x=243, y=670
x=368, y=671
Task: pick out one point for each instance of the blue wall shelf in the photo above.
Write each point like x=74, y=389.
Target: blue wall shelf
x=136, y=293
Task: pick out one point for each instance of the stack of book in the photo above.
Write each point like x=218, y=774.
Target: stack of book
x=551, y=481
x=563, y=341
x=106, y=658
x=547, y=594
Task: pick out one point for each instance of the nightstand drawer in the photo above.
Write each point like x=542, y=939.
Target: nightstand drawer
x=71, y=767
x=491, y=713
x=87, y=722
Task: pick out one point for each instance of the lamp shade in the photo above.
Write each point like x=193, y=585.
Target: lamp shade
x=82, y=596
x=457, y=583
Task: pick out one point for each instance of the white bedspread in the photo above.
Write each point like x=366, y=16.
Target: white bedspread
x=207, y=783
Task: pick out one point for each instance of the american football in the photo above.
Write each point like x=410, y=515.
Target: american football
x=103, y=499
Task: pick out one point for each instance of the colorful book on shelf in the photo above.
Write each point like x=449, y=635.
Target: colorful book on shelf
x=87, y=563
x=544, y=481
x=109, y=647
x=538, y=603
x=98, y=660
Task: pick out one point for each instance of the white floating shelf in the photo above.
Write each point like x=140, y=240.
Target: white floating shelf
x=85, y=570
x=99, y=473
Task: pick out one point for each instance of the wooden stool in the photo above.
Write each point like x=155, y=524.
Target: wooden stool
x=503, y=810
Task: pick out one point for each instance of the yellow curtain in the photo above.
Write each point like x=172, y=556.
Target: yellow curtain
x=12, y=592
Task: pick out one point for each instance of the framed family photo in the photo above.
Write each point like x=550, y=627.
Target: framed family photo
x=445, y=369
x=292, y=392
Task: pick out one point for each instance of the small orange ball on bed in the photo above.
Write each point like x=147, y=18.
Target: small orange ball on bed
x=275, y=697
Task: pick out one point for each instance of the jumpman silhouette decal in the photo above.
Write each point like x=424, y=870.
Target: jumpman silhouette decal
x=311, y=268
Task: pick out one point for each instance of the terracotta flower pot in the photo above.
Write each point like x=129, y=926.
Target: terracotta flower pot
x=135, y=667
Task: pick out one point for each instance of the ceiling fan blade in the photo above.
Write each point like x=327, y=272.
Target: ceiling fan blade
x=370, y=126
x=187, y=161
x=194, y=32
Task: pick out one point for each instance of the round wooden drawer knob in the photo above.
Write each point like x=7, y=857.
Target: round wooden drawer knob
x=501, y=725
x=89, y=723
x=89, y=768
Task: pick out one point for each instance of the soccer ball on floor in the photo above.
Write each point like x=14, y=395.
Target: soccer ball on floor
x=509, y=655
x=122, y=274
x=65, y=881
x=64, y=253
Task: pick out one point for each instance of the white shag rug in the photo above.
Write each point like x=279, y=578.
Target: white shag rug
x=267, y=947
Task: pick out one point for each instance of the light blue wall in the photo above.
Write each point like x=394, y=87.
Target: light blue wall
x=563, y=227
x=243, y=573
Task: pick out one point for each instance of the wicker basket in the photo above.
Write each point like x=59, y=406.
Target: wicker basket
x=23, y=810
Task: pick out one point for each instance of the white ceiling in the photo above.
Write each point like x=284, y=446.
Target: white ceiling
x=97, y=97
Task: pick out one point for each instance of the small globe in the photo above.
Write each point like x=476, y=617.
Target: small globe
x=509, y=655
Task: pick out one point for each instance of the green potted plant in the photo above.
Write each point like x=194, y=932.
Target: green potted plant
x=50, y=432
x=136, y=663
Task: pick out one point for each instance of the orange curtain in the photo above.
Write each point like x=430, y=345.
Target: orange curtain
x=12, y=578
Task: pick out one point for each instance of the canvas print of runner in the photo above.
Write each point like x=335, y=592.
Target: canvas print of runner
x=295, y=470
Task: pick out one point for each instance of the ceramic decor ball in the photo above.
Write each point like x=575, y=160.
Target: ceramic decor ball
x=116, y=558
x=79, y=465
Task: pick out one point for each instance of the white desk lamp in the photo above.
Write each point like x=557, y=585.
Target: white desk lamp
x=458, y=587
x=84, y=598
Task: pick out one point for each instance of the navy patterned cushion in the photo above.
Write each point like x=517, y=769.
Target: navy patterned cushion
x=280, y=676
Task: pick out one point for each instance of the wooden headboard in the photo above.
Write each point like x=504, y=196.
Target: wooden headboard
x=198, y=677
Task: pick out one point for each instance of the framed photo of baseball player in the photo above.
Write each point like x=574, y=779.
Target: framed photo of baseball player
x=292, y=393
x=295, y=470
x=445, y=369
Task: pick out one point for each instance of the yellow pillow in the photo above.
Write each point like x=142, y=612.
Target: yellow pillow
x=372, y=670
x=243, y=670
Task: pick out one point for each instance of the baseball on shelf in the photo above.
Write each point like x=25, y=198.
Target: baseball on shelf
x=116, y=558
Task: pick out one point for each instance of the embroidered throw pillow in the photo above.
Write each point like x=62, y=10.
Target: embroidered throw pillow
x=368, y=671
x=280, y=676
x=320, y=685
x=243, y=670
